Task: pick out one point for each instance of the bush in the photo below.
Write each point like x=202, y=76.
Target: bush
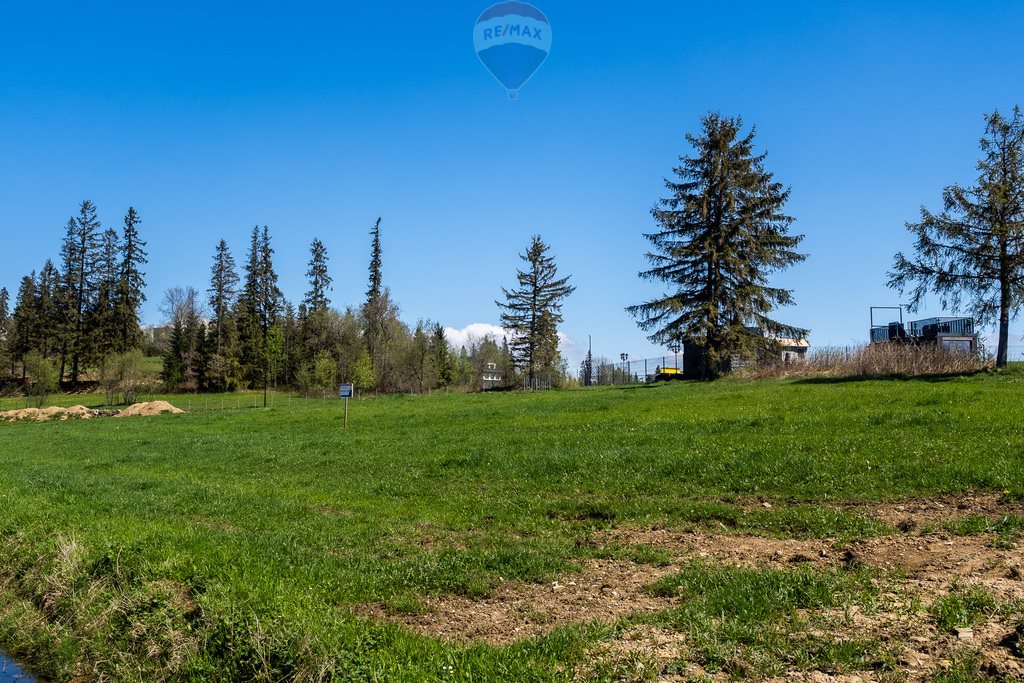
x=41, y=378
x=124, y=374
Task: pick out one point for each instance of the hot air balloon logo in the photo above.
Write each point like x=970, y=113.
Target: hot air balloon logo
x=512, y=40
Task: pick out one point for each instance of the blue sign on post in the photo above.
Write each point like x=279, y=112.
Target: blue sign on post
x=346, y=391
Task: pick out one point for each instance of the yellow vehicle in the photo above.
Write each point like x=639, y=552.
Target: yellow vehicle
x=668, y=373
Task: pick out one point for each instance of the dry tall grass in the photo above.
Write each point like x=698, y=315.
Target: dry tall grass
x=882, y=360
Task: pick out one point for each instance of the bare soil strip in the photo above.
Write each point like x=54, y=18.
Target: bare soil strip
x=929, y=564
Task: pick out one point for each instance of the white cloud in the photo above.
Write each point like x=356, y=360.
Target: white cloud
x=569, y=349
x=474, y=331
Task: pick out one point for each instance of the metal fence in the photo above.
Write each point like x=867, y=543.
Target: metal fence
x=604, y=372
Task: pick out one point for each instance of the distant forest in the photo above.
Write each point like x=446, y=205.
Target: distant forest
x=79, y=323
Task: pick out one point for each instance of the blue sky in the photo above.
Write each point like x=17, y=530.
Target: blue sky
x=316, y=118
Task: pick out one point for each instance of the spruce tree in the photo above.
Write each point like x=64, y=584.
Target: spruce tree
x=972, y=253
x=101, y=326
x=6, y=332
x=316, y=300
x=441, y=356
x=376, y=278
x=378, y=314
x=271, y=301
x=222, y=291
x=25, y=320
x=532, y=312
x=131, y=285
x=47, y=310
x=250, y=333
x=79, y=255
x=259, y=306
x=722, y=234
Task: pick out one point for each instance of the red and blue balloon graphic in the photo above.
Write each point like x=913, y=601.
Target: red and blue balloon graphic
x=512, y=40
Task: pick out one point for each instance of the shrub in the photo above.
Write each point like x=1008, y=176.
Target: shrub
x=41, y=378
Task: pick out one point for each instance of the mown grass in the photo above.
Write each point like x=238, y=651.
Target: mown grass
x=234, y=544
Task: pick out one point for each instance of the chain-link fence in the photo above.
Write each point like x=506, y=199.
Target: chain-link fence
x=603, y=372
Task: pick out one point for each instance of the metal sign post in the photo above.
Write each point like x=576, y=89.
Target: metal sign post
x=346, y=391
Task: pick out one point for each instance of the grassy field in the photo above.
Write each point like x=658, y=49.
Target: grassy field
x=268, y=543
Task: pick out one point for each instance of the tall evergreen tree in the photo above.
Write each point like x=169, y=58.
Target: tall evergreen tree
x=6, y=331
x=102, y=325
x=222, y=291
x=378, y=314
x=271, y=299
x=532, y=312
x=25, y=320
x=79, y=256
x=5, y=305
x=47, y=310
x=250, y=329
x=131, y=285
x=722, y=233
x=259, y=306
x=316, y=300
x=972, y=253
x=441, y=356
x=376, y=278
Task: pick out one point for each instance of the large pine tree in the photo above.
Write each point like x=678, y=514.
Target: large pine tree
x=222, y=291
x=722, y=233
x=972, y=253
x=131, y=285
x=25, y=325
x=6, y=330
x=102, y=326
x=316, y=300
x=47, y=309
x=259, y=305
x=532, y=312
x=378, y=315
x=79, y=254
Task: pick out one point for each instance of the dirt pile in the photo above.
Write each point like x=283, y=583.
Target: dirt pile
x=83, y=413
x=149, y=409
x=44, y=414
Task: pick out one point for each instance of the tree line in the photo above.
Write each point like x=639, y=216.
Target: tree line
x=241, y=332
x=86, y=309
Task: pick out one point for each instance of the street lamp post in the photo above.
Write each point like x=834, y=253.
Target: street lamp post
x=674, y=348
x=624, y=357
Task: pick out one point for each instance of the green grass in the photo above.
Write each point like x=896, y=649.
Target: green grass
x=749, y=622
x=963, y=607
x=235, y=543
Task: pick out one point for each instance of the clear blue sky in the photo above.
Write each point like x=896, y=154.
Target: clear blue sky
x=316, y=118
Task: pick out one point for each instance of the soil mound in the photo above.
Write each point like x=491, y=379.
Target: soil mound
x=148, y=409
x=44, y=414
x=83, y=413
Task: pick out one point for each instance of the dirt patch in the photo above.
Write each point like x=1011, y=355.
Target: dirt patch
x=149, y=409
x=917, y=513
x=905, y=515
x=920, y=566
x=606, y=591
